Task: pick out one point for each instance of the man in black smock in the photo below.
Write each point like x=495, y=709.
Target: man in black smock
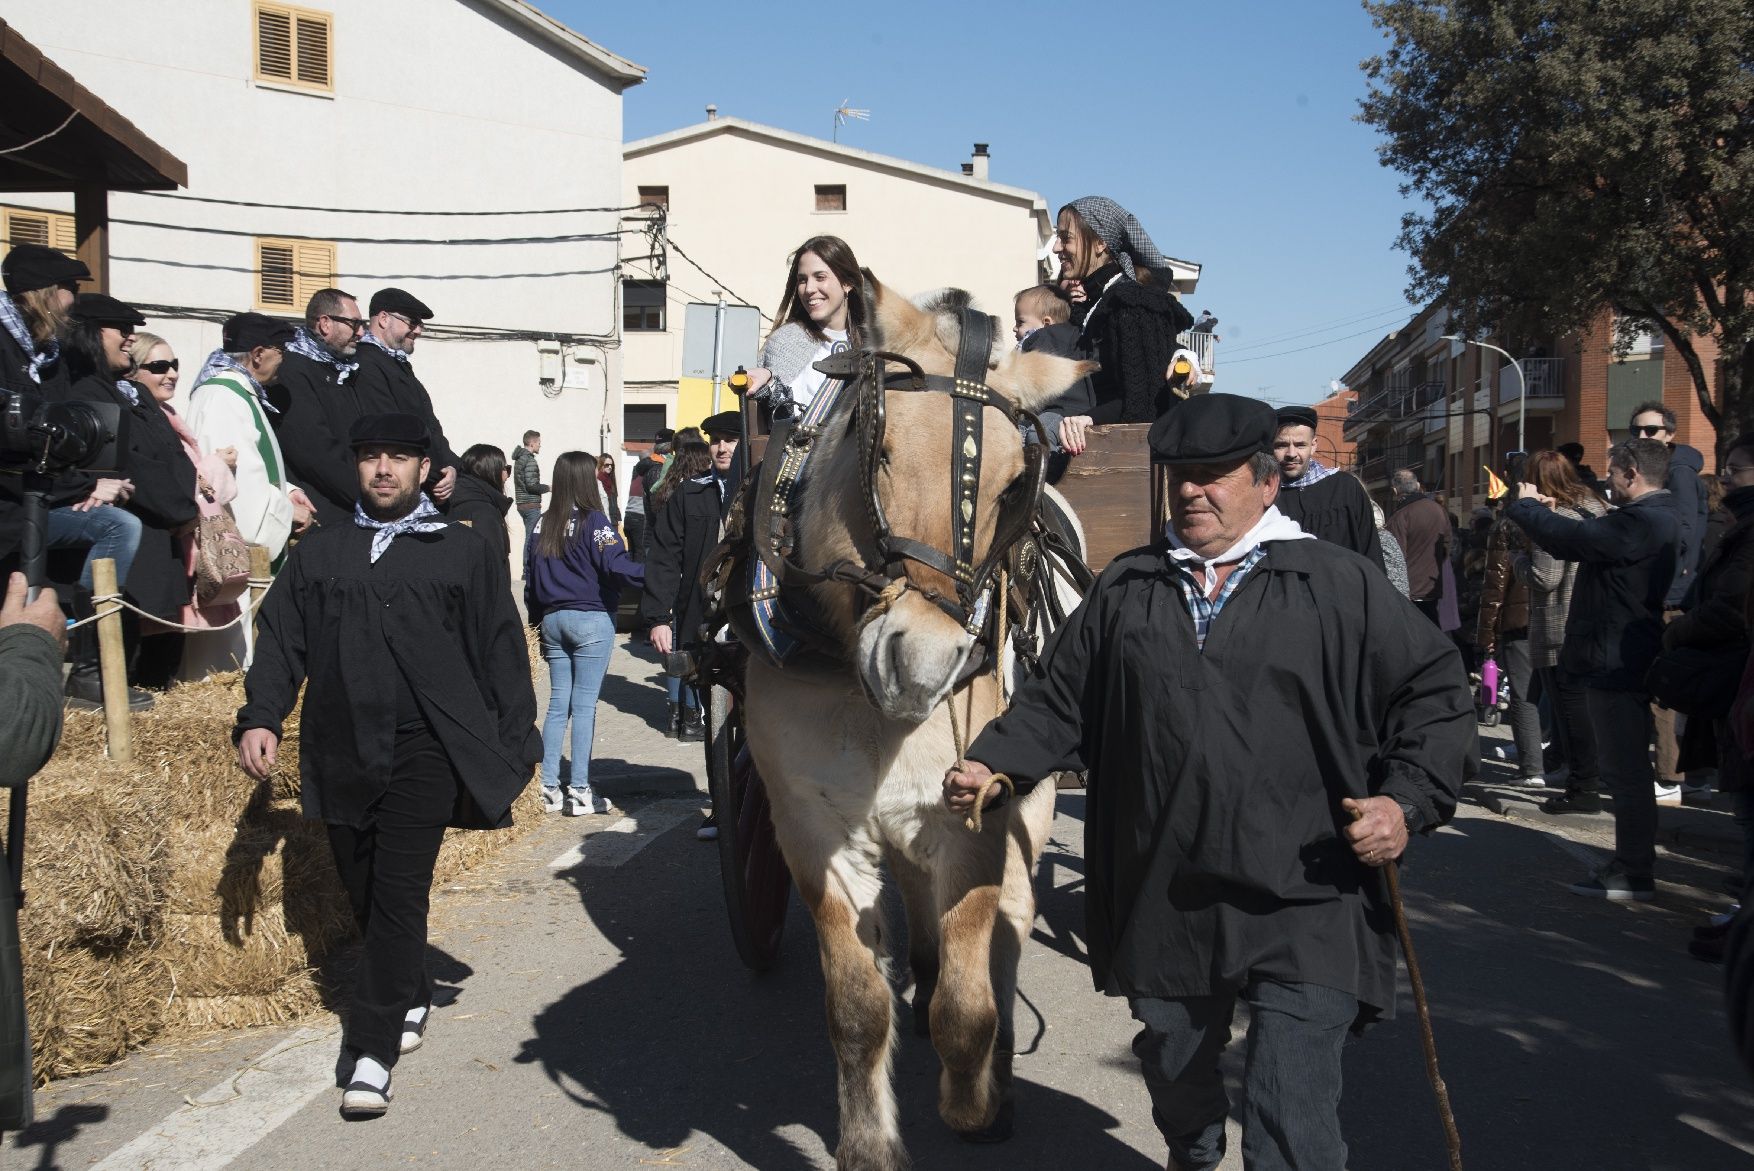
x=386, y=380
x=418, y=715
x=317, y=402
x=1238, y=694
x=1326, y=503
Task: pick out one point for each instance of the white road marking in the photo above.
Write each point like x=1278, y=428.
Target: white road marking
x=234, y=1115
x=616, y=843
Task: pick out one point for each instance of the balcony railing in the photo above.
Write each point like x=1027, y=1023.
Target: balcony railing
x=1201, y=344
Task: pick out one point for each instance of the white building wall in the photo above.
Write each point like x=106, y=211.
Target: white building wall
x=740, y=203
x=437, y=104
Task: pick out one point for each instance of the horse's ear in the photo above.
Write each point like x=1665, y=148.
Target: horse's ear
x=1034, y=379
x=894, y=319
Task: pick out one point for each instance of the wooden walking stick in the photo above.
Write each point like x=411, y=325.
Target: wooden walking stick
x=1452, y=1138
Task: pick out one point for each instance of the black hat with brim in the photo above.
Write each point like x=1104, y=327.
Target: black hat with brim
x=32, y=266
x=246, y=331
x=727, y=423
x=103, y=309
x=394, y=430
x=1213, y=429
x=398, y=301
x=1297, y=417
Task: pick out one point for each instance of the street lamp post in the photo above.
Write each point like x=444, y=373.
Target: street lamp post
x=1522, y=404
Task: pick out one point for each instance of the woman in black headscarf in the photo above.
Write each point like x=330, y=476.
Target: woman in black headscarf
x=1127, y=314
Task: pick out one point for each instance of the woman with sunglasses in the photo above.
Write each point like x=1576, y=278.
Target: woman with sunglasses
x=156, y=372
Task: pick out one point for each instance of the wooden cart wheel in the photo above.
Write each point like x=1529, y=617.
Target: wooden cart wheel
x=757, y=884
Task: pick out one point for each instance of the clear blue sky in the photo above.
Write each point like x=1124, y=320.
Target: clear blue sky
x=1228, y=128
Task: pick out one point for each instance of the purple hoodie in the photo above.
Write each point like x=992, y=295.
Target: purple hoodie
x=587, y=577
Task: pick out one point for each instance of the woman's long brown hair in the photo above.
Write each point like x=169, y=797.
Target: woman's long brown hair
x=838, y=255
x=575, y=488
x=692, y=459
x=1553, y=474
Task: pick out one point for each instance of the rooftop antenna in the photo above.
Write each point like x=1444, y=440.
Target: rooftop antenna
x=844, y=112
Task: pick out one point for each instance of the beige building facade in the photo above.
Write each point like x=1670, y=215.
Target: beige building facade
x=739, y=197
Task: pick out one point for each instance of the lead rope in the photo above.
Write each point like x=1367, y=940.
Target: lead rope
x=1451, y=1136
x=998, y=780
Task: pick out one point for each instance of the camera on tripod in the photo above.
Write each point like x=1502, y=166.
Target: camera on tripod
x=41, y=436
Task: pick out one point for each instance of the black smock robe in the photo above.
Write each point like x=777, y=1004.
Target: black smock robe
x=1335, y=508
x=385, y=384
x=316, y=412
x=434, y=615
x=1213, y=827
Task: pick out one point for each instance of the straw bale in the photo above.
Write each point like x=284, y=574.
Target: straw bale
x=252, y=958
x=89, y=1007
x=299, y=996
x=95, y=858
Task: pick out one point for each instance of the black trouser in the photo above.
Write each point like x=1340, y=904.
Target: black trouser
x=635, y=524
x=386, y=866
x=1571, y=724
x=1291, y=1074
x=1428, y=607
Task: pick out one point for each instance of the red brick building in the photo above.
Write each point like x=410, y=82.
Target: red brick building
x=1450, y=410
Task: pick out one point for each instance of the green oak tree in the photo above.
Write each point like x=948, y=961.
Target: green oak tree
x=1576, y=153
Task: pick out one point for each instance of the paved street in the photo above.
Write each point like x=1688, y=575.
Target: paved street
x=594, y=1015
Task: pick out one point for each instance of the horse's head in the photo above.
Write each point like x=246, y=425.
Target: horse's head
x=928, y=493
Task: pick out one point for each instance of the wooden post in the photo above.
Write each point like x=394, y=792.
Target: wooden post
x=112, y=662
x=91, y=222
x=260, y=571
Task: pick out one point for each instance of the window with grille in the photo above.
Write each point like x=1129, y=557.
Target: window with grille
x=641, y=422
x=831, y=197
x=294, y=46
x=288, y=272
x=654, y=197
x=48, y=228
x=642, y=305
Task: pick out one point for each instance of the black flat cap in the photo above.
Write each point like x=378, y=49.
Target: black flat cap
x=724, y=423
x=246, y=331
x=398, y=301
x=103, y=309
x=398, y=430
x=1298, y=417
x=1213, y=429
x=32, y=266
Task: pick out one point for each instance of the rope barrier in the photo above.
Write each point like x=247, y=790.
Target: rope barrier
x=118, y=603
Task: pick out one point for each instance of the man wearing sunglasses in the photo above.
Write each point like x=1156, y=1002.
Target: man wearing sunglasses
x=386, y=382
x=1655, y=420
x=321, y=403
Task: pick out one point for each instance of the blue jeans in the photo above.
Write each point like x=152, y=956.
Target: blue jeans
x=1291, y=1074
x=577, y=645
x=110, y=531
x=680, y=692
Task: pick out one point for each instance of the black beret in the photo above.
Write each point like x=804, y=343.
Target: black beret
x=32, y=266
x=1297, y=416
x=103, y=309
x=397, y=430
x=398, y=301
x=724, y=423
x=246, y=331
x=1213, y=429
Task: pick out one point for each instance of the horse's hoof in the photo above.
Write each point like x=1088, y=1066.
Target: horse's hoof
x=997, y=1131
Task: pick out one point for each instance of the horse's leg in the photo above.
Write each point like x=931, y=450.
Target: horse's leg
x=922, y=935
x=844, y=901
x=1031, y=819
x=965, y=1017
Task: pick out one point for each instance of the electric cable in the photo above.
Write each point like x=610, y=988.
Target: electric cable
x=1392, y=313
x=371, y=276
x=670, y=241
x=206, y=231
x=1229, y=361
x=68, y=121
x=379, y=211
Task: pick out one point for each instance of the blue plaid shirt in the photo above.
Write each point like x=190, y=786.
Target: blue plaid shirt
x=1204, y=610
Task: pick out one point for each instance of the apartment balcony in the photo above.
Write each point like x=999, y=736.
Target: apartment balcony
x=1202, y=347
x=1362, y=413
x=1546, y=379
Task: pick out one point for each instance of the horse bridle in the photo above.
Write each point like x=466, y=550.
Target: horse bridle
x=882, y=572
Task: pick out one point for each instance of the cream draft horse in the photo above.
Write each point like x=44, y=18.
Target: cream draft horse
x=853, y=757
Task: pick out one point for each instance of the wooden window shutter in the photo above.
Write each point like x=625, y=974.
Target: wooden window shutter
x=64, y=234
x=276, y=275
x=24, y=228
x=315, y=269
x=274, y=43
x=313, y=49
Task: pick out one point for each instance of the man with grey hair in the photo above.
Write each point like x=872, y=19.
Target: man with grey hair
x=1612, y=633
x=321, y=403
x=1421, y=527
x=1236, y=821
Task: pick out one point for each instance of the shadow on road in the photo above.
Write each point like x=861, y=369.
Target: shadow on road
x=1571, y=1032
x=745, y=1060
x=59, y=1128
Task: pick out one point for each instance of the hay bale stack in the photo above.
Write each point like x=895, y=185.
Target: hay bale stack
x=172, y=896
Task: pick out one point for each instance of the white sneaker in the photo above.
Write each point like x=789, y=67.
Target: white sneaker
x=577, y=805
x=1668, y=794
x=603, y=805
x=551, y=800
x=1504, y=750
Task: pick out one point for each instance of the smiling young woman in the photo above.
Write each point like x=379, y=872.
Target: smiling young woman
x=823, y=312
